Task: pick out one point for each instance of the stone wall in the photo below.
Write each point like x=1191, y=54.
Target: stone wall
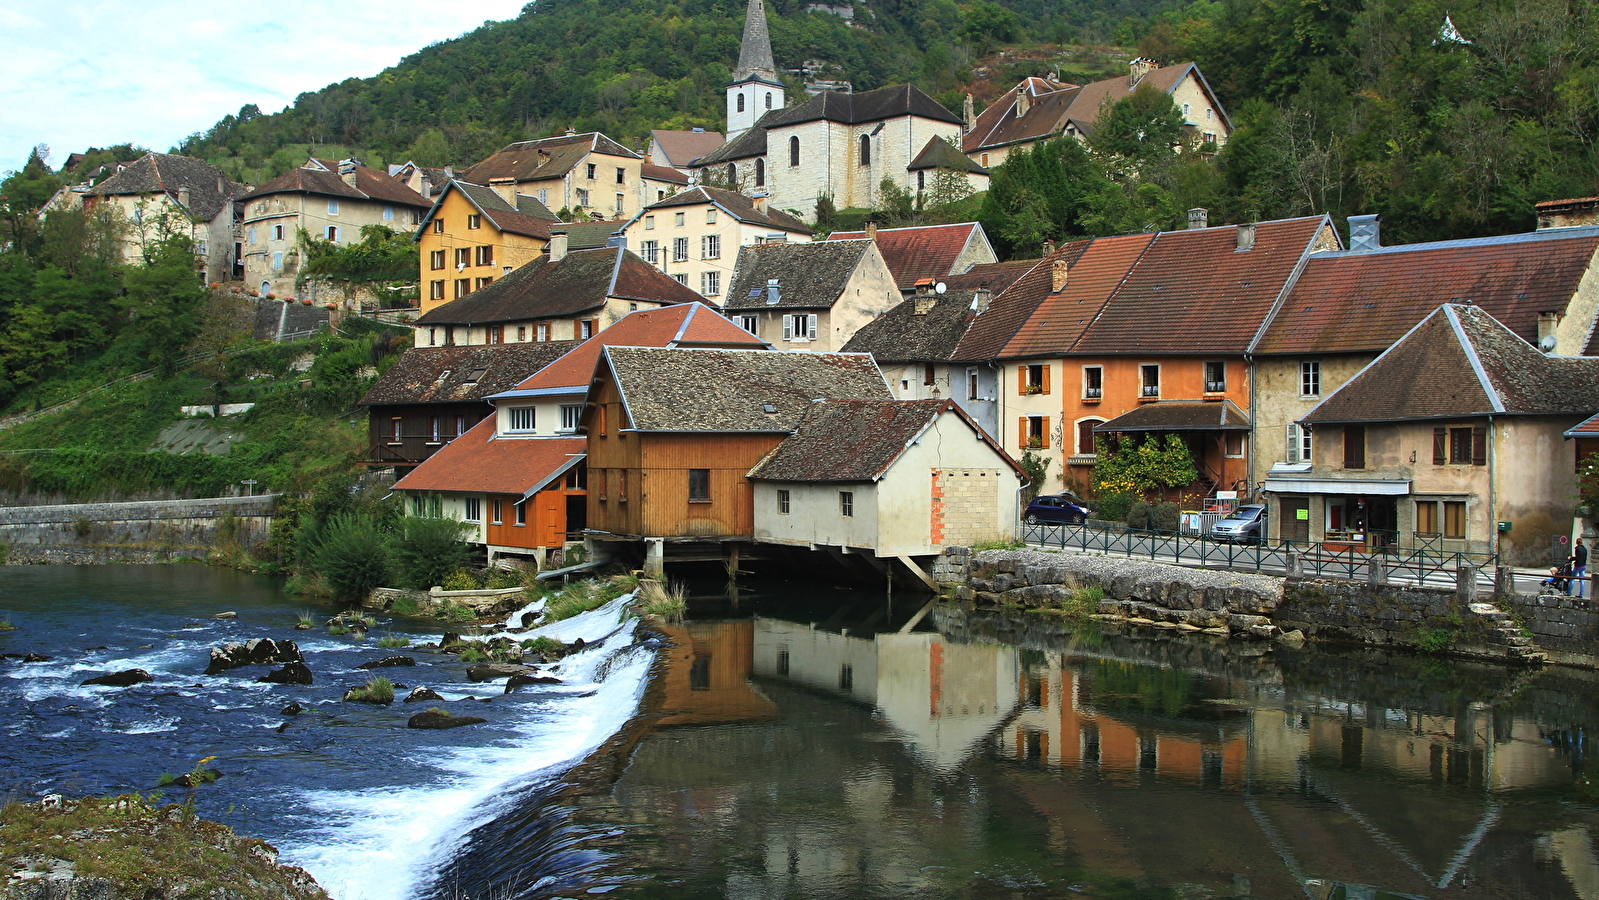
x=137, y=532
x=1566, y=628
x=1399, y=615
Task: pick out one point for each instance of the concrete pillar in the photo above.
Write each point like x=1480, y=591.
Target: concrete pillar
x=654, y=557
x=1466, y=583
x=1376, y=570
x=1504, y=582
x=1295, y=565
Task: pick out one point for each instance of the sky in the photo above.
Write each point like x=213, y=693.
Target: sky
x=79, y=74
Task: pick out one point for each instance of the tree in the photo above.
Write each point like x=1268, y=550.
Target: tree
x=427, y=549
x=1144, y=126
x=381, y=265
x=22, y=193
x=1040, y=193
x=350, y=553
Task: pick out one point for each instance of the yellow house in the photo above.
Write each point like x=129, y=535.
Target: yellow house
x=472, y=235
x=573, y=172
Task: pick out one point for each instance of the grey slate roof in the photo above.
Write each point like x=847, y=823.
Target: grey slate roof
x=728, y=390
x=1460, y=361
x=162, y=173
x=529, y=217
x=941, y=154
x=852, y=440
x=809, y=275
x=579, y=281
x=461, y=374
x=755, y=53
x=736, y=205
x=921, y=329
x=549, y=157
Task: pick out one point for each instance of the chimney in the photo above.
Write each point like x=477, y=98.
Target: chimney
x=969, y=113
x=617, y=240
x=1049, y=247
x=557, y=246
x=506, y=188
x=347, y=170
x=924, y=305
x=1364, y=234
x=183, y=196
x=1246, y=236
x=981, y=298
x=1138, y=68
x=871, y=231
x=1198, y=218
x=569, y=130
x=1024, y=100
x=759, y=202
x=222, y=186
x=1547, y=323
x=773, y=294
x=1057, y=276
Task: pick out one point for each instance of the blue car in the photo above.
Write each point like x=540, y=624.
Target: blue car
x=1056, y=509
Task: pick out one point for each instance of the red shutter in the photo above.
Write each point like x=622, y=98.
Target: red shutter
x=1044, y=440
x=1440, y=446
x=1046, y=368
x=1021, y=432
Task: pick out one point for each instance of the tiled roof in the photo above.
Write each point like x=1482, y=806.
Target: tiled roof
x=923, y=251
x=729, y=390
x=920, y=329
x=998, y=124
x=460, y=374
x=662, y=173
x=162, y=173
x=1090, y=100
x=324, y=180
x=683, y=147
x=809, y=275
x=941, y=154
x=1193, y=291
x=750, y=144
x=832, y=106
x=1059, y=320
x=1352, y=301
x=579, y=281
x=849, y=440
x=479, y=462
x=996, y=276
x=736, y=205
x=549, y=157
x=683, y=325
x=515, y=220
x=1587, y=428
x=1461, y=361
x=995, y=326
x=1179, y=415
x=587, y=235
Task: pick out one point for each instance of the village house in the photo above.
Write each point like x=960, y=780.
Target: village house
x=1348, y=306
x=327, y=200
x=588, y=173
x=810, y=296
x=677, y=149
x=694, y=236
x=920, y=256
x=161, y=194
x=473, y=235
x=889, y=478
x=1451, y=440
x=660, y=182
x=1038, y=109
x=673, y=434
x=558, y=296
x=427, y=181
x=519, y=477
x=432, y=395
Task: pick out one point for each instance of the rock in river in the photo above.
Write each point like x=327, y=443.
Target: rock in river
x=437, y=718
x=422, y=694
x=516, y=681
x=261, y=650
x=293, y=673
x=122, y=679
x=491, y=671
x=387, y=662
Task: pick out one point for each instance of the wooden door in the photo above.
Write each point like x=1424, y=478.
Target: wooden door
x=1295, y=519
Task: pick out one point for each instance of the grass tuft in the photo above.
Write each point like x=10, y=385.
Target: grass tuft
x=378, y=690
x=393, y=640
x=664, y=601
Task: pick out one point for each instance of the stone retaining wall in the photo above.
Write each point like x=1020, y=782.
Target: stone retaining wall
x=134, y=532
x=1566, y=628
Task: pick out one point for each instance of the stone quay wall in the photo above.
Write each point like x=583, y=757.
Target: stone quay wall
x=1566, y=628
x=1400, y=615
x=136, y=532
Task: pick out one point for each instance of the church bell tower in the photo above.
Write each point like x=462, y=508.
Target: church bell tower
x=755, y=89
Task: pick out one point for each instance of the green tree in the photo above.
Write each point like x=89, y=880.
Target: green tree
x=429, y=548
x=351, y=554
x=1144, y=126
x=379, y=265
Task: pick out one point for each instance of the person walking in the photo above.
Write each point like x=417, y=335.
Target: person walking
x=1579, y=568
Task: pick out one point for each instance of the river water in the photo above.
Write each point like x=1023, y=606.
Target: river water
x=821, y=742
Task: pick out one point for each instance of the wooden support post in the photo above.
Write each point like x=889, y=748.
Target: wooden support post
x=917, y=571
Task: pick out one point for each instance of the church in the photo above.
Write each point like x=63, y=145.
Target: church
x=835, y=144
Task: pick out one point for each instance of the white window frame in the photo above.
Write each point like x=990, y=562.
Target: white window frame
x=710, y=216
x=1310, y=378
x=680, y=249
x=784, y=502
x=649, y=223
x=846, y=504
x=677, y=219
x=710, y=283
x=1298, y=444
x=1144, y=392
x=333, y=206
x=1094, y=393
x=751, y=324
x=571, y=416
x=388, y=213
x=651, y=251
x=473, y=509
x=521, y=419
x=974, y=386
x=711, y=246
x=805, y=320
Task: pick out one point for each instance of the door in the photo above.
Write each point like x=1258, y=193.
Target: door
x=1295, y=519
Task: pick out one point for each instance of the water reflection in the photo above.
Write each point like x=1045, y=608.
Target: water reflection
x=821, y=752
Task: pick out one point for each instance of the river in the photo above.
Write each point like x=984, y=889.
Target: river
x=804, y=742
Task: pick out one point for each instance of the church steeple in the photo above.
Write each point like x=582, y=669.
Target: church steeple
x=755, y=88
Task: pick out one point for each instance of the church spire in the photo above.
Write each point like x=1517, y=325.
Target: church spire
x=755, y=55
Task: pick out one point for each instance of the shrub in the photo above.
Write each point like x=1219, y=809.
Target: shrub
x=405, y=606
x=456, y=612
x=1138, y=515
x=664, y=601
x=427, y=550
x=474, y=654
x=350, y=553
x=1164, y=516
x=498, y=577
x=1434, y=640
x=393, y=641
x=338, y=630
x=1113, y=506
x=458, y=580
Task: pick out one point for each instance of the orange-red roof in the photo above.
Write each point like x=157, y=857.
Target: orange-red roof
x=927, y=251
x=478, y=462
x=685, y=325
x=1060, y=319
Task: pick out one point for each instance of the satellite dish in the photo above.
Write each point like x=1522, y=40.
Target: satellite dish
x=1547, y=343
x=940, y=288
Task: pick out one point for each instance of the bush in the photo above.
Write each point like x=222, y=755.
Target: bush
x=1138, y=515
x=428, y=549
x=1164, y=516
x=459, y=580
x=498, y=577
x=474, y=654
x=1113, y=506
x=350, y=553
x=393, y=641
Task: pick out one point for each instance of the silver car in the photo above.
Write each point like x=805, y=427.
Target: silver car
x=1244, y=525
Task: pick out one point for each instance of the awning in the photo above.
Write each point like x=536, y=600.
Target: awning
x=1179, y=415
x=1363, y=488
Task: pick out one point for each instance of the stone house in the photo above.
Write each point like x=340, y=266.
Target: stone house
x=695, y=236
x=473, y=235
x=587, y=173
x=892, y=478
x=1347, y=306
x=1450, y=440
x=677, y=149
x=1038, y=109
x=920, y=256
x=328, y=200
x=182, y=195
x=661, y=182
x=558, y=296
x=810, y=296
x=427, y=181
x=519, y=477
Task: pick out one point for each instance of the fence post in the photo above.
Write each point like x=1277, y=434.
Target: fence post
x=1294, y=565
x=1504, y=582
x=1465, y=582
x=1376, y=570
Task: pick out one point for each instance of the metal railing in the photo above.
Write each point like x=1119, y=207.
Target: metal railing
x=1312, y=558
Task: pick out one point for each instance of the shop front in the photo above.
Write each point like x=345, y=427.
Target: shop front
x=1361, y=516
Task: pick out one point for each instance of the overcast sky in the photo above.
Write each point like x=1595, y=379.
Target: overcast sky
x=91, y=73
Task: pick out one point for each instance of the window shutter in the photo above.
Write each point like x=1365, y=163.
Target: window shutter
x=1440, y=446
x=1021, y=432
x=1044, y=440
x=788, y=328
x=1293, y=443
x=1046, y=367
x=1021, y=381
x=810, y=327
x=1479, y=446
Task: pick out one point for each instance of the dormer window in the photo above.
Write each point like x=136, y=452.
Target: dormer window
x=521, y=418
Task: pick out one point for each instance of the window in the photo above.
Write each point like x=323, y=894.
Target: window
x=522, y=418
x=1185, y=110
x=333, y=206
x=782, y=503
x=620, y=204
x=793, y=151
x=460, y=425
x=1354, y=446
x=799, y=327
x=710, y=283
x=585, y=329
x=474, y=509
x=1310, y=378
x=973, y=385
x=544, y=195
x=436, y=290
x=1233, y=444
x=866, y=149
x=760, y=171
x=485, y=255
x=649, y=223
x=1298, y=444
x=621, y=175
x=699, y=485
x=1427, y=517
x=1149, y=381
x=1215, y=377
x=388, y=213
x=449, y=335
x=496, y=511
x=252, y=235
x=543, y=330
x=651, y=251
x=277, y=260
x=495, y=333
x=474, y=221
x=582, y=197
x=750, y=323
x=521, y=513
x=1033, y=379
x=438, y=226
x=200, y=248
x=521, y=334
x=732, y=175
x=1033, y=432
x=463, y=286
x=681, y=278
x=921, y=179
x=433, y=429
x=1085, y=436
x=741, y=102
x=571, y=415
x=985, y=161
x=1454, y=519
x=593, y=170
x=678, y=219
x=1093, y=382
x=436, y=259
x=463, y=257
x=710, y=216
x=846, y=677
x=394, y=430
x=680, y=249
x=711, y=246
x=846, y=503
x=1460, y=446
x=768, y=99
x=929, y=373
x=277, y=232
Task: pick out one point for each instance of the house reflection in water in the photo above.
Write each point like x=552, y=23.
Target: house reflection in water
x=706, y=676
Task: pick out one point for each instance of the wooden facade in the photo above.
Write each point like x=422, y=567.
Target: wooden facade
x=403, y=435
x=545, y=521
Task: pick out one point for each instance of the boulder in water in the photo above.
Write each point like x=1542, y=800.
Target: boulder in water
x=291, y=673
x=293, y=709
x=421, y=694
x=387, y=662
x=122, y=679
x=35, y=657
x=256, y=652
x=438, y=718
x=491, y=671
x=226, y=615
x=516, y=681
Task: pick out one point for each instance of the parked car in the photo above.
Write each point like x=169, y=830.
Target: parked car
x=1065, y=507
x=1246, y=525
